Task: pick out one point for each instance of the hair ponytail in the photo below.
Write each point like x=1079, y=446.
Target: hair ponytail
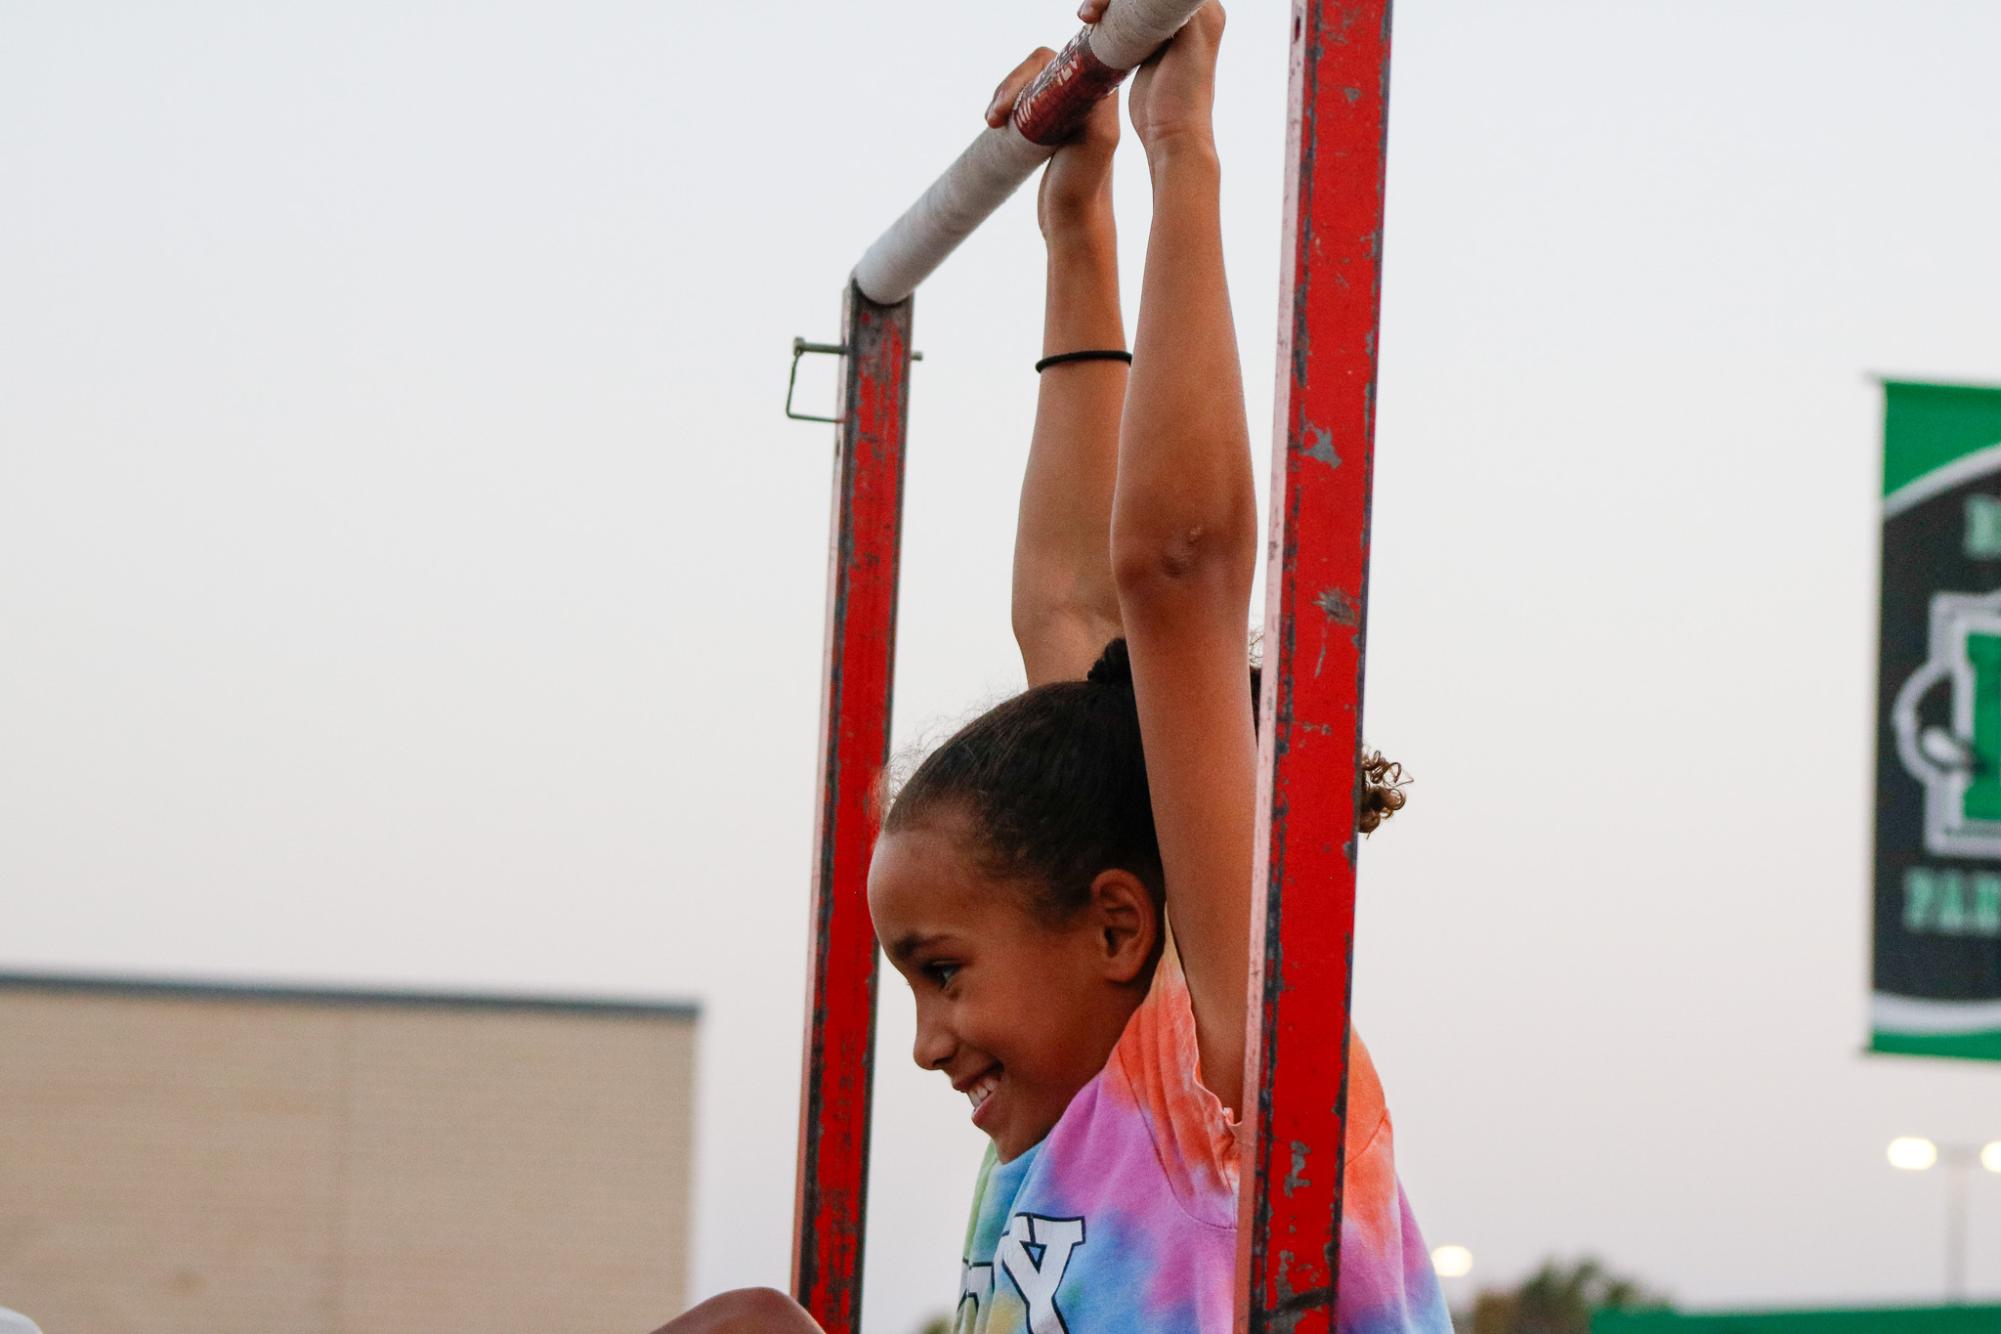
x=1114, y=666
x=1053, y=784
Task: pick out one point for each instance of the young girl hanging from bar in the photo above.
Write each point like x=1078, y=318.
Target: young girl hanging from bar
x=1065, y=884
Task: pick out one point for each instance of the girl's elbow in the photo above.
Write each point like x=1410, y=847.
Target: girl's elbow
x=1142, y=562
x=1182, y=563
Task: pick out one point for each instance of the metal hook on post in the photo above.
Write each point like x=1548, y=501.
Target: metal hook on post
x=800, y=347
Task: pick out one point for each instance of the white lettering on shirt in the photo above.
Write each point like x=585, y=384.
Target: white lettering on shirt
x=1036, y=1275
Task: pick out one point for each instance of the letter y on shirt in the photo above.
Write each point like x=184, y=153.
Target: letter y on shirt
x=1034, y=1255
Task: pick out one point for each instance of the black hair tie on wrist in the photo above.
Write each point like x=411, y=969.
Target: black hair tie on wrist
x=1096, y=354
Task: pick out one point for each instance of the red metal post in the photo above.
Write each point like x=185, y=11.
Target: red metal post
x=854, y=745
x=1309, y=785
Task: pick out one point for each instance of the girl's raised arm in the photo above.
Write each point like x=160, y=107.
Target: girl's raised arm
x=1184, y=550
x=1065, y=606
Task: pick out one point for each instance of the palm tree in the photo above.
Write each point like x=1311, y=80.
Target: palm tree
x=1557, y=1299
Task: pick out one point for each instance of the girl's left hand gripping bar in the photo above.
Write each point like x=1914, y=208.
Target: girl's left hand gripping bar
x=1094, y=63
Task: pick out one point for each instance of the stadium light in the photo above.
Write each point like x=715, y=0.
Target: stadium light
x=1457, y=1261
x=1913, y=1153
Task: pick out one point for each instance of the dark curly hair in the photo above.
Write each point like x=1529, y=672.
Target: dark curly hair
x=1054, y=780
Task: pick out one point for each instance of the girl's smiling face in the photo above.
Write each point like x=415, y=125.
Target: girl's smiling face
x=1017, y=1013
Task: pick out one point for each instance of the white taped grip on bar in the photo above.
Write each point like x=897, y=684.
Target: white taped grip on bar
x=1132, y=30
x=960, y=200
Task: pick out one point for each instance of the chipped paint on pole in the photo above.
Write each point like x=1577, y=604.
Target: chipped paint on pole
x=1309, y=773
x=831, y=1201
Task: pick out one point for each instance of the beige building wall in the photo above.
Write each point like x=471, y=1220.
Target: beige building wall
x=217, y=1162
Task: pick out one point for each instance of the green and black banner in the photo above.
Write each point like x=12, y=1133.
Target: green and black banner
x=1937, y=985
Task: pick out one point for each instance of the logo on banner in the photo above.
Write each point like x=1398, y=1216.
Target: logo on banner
x=1948, y=723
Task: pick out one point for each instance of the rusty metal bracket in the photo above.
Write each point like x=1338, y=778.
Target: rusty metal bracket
x=800, y=347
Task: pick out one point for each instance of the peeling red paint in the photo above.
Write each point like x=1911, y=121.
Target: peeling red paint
x=1309, y=785
x=832, y=1191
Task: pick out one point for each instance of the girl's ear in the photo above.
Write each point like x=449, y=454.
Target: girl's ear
x=1126, y=924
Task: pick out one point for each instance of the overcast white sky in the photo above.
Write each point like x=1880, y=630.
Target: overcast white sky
x=407, y=575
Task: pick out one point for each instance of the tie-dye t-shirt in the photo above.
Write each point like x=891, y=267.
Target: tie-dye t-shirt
x=1124, y=1217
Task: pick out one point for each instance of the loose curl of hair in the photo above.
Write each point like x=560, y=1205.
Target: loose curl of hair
x=1053, y=784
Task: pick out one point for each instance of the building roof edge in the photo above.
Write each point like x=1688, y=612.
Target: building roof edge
x=607, y=1007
